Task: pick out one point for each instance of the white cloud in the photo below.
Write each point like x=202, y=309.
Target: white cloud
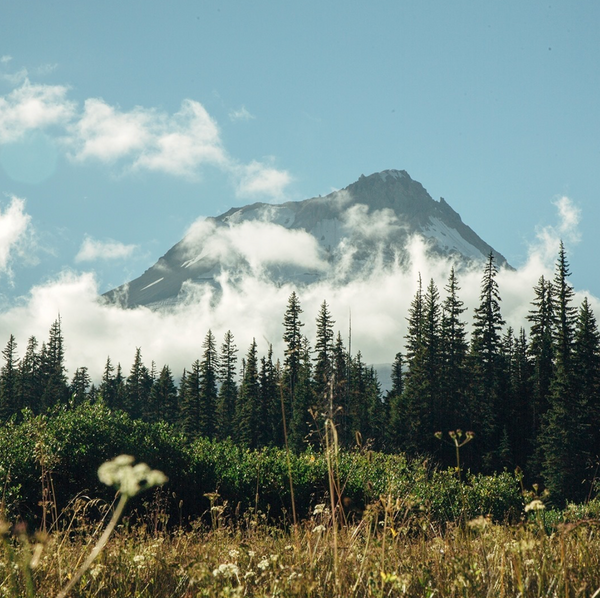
x=33, y=107
x=240, y=114
x=253, y=307
x=258, y=179
x=5, y=59
x=93, y=250
x=14, y=228
x=140, y=139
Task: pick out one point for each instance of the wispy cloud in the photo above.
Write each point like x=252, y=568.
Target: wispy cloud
x=92, y=250
x=257, y=178
x=241, y=114
x=139, y=139
x=14, y=228
x=33, y=107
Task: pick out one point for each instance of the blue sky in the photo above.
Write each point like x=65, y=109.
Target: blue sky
x=121, y=123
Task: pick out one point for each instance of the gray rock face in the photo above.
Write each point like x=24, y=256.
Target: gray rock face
x=336, y=237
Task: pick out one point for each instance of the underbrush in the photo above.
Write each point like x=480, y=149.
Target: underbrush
x=238, y=522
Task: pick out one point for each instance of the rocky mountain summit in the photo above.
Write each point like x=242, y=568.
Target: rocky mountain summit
x=338, y=236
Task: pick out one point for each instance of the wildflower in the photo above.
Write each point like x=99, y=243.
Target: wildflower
x=233, y=553
x=319, y=509
x=479, y=523
x=227, y=570
x=129, y=479
x=318, y=529
x=251, y=553
x=249, y=574
x=535, y=505
x=264, y=564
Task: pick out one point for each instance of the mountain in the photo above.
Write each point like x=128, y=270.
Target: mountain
x=338, y=236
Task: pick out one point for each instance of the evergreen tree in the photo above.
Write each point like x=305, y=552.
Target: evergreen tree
x=292, y=337
x=395, y=429
x=560, y=450
x=270, y=403
x=53, y=372
x=107, y=385
x=208, y=386
x=249, y=407
x=163, y=399
x=486, y=366
x=227, y=397
x=453, y=356
x=10, y=402
x=541, y=349
x=30, y=378
x=137, y=388
x=79, y=386
x=191, y=409
x=323, y=356
x=303, y=415
x=341, y=389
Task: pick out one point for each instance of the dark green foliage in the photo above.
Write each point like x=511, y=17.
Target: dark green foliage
x=292, y=337
x=486, y=368
x=80, y=385
x=303, y=416
x=52, y=369
x=227, y=397
x=249, y=423
x=163, y=402
x=137, y=388
x=324, y=349
x=10, y=401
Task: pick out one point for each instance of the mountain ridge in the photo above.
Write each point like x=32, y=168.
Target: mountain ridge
x=375, y=215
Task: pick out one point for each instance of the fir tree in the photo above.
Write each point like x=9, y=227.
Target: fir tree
x=323, y=356
x=10, y=402
x=208, y=386
x=137, y=388
x=302, y=421
x=227, y=397
x=249, y=407
x=53, y=372
x=395, y=428
x=292, y=337
x=486, y=365
x=79, y=386
x=30, y=378
x=163, y=398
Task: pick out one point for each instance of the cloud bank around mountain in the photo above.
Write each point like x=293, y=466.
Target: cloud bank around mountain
x=253, y=307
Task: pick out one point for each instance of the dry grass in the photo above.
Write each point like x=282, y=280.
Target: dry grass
x=386, y=553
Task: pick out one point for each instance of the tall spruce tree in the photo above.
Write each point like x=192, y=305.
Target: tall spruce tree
x=10, y=402
x=249, y=406
x=80, y=385
x=30, y=378
x=303, y=415
x=395, y=429
x=486, y=344
x=137, y=388
x=542, y=350
x=53, y=371
x=323, y=372
x=208, y=386
x=453, y=355
x=559, y=448
x=227, y=397
x=292, y=337
x=163, y=403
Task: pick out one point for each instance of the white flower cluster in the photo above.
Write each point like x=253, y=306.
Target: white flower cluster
x=129, y=479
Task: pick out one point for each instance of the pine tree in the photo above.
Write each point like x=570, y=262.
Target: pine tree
x=30, y=378
x=486, y=366
x=208, y=386
x=292, y=337
x=107, y=388
x=10, y=402
x=163, y=398
x=227, y=398
x=53, y=372
x=341, y=390
x=303, y=415
x=137, y=388
x=323, y=356
x=190, y=402
x=249, y=408
x=453, y=355
x=395, y=428
x=270, y=404
x=79, y=386
x=541, y=349
x=559, y=448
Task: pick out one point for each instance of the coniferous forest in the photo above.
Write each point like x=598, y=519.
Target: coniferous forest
x=529, y=399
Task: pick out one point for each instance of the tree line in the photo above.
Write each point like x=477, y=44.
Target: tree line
x=530, y=398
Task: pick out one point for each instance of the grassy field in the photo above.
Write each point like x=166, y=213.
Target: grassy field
x=389, y=548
